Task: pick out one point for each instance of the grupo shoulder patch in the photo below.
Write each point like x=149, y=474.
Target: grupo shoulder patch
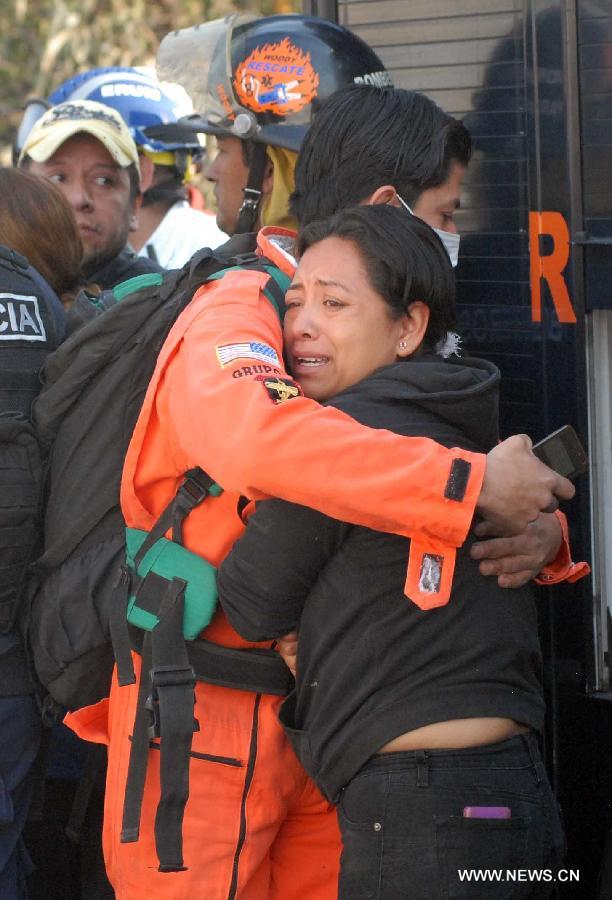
x=280, y=389
x=227, y=353
x=20, y=318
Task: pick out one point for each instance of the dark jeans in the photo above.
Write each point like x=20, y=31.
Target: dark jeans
x=405, y=836
x=68, y=866
x=19, y=739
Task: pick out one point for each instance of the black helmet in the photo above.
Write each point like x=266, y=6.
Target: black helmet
x=264, y=79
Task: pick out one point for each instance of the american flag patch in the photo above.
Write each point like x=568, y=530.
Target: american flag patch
x=247, y=350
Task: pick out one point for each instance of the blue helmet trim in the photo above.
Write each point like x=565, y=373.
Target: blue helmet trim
x=139, y=99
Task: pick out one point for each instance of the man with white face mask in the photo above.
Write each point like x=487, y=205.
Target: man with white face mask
x=397, y=146
x=450, y=239
x=406, y=149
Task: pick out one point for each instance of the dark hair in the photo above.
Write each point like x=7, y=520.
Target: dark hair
x=167, y=187
x=364, y=137
x=37, y=221
x=134, y=176
x=404, y=258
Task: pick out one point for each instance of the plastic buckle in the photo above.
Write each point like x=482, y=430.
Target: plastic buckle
x=194, y=490
x=154, y=726
x=167, y=676
x=152, y=707
x=172, y=676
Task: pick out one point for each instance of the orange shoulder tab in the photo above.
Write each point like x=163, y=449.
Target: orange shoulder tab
x=429, y=578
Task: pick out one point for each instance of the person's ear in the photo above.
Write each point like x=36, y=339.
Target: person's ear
x=386, y=193
x=136, y=204
x=147, y=170
x=413, y=326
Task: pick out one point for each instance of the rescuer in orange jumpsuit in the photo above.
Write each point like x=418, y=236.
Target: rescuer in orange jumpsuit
x=255, y=827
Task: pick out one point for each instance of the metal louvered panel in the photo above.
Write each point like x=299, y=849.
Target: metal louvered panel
x=595, y=56
x=468, y=56
x=430, y=46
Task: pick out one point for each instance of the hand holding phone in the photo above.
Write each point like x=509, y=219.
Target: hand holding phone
x=517, y=487
x=563, y=452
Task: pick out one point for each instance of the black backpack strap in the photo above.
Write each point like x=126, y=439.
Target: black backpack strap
x=118, y=627
x=171, y=707
x=139, y=753
x=206, y=261
x=254, y=669
x=165, y=708
x=257, y=670
x=193, y=491
x=275, y=292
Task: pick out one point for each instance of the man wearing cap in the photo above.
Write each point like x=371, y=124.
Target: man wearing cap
x=170, y=228
x=87, y=150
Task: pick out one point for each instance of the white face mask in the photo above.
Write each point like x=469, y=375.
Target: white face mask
x=448, y=238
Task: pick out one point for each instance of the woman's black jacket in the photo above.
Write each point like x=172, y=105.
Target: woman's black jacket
x=371, y=665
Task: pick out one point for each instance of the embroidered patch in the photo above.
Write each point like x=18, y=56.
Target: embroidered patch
x=255, y=369
x=20, y=318
x=430, y=576
x=226, y=353
x=72, y=112
x=277, y=78
x=280, y=389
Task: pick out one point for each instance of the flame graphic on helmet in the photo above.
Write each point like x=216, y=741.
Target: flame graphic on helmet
x=276, y=78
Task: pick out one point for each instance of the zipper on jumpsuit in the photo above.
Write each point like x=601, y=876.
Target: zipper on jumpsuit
x=245, y=793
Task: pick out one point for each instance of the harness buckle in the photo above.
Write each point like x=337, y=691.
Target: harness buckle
x=167, y=676
x=195, y=490
x=172, y=676
x=152, y=708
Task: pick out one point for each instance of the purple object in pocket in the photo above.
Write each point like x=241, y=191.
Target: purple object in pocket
x=486, y=812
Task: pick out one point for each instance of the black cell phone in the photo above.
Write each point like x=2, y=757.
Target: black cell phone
x=563, y=452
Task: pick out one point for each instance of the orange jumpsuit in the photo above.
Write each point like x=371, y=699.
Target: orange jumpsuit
x=255, y=826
